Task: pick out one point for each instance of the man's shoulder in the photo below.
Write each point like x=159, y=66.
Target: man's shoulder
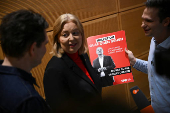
x=55, y=61
x=16, y=85
x=105, y=56
x=95, y=60
x=54, y=58
x=16, y=82
x=14, y=91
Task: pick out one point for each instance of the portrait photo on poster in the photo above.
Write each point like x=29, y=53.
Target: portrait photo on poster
x=109, y=59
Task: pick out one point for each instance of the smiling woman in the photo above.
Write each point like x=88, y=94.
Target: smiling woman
x=70, y=82
x=65, y=26
x=70, y=38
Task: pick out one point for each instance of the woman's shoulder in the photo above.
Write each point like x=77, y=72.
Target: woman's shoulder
x=55, y=62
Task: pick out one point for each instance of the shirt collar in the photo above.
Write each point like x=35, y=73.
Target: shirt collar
x=17, y=72
x=101, y=56
x=73, y=56
x=165, y=44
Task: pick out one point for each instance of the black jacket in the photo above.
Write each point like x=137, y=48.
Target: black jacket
x=67, y=87
x=109, y=64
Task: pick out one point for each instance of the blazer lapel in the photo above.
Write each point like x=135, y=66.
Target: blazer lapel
x=104, y=61
x=91, y=71
x=98, y=63
x=73, y=66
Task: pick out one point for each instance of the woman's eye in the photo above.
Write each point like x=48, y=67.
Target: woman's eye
x=65, y=35
x=76, y=33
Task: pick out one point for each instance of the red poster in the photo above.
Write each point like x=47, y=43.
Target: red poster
x=108, y=57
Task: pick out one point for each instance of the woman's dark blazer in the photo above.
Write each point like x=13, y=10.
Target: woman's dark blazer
x=66, y=84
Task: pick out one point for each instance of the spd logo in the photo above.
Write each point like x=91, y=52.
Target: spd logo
x=125, y=80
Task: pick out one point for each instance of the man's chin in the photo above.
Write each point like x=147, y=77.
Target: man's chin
x=148, y=35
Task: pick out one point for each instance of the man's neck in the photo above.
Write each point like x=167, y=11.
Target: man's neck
x=18, y=63
x=100, y=56
x=163, y=36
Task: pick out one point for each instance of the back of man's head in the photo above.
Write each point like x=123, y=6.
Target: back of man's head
x=19, y=30
x=162, y=5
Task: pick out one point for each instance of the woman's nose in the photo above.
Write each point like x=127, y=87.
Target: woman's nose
x=71, y=37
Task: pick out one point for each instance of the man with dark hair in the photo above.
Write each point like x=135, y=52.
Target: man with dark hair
x=156, y=23
x=103, y=66
x=23, y=39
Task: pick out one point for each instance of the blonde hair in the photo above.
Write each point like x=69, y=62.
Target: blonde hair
x=58, y=26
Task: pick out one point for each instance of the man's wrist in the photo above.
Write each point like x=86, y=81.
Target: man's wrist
x=99, y=70
x=133, y=61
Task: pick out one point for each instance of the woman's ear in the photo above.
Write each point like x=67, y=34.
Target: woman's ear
x=166, y=21
x=32, y=49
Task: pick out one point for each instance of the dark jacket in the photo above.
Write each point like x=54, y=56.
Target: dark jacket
x=67, y=87
x=109, y=64
x=17, y=93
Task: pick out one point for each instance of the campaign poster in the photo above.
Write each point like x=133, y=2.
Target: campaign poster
x=108, y=58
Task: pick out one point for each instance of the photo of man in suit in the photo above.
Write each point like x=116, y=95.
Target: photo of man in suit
x=103, y=65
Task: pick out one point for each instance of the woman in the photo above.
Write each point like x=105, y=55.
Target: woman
x=70, y=82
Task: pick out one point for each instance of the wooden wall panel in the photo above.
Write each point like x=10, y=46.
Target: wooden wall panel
x=1, y=54
x=129, y=4
x=131, y=21
x=101, y=26
x=51, y=9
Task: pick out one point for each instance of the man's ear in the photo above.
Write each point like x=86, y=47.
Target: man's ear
x=32, y=49
x=166, y=21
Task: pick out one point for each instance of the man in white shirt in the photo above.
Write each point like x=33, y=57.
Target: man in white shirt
x=103, y=65
x=156, y=24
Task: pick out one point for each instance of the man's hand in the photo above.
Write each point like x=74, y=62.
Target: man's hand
x=100, y=70
x=104, y=68
x=131, y=57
